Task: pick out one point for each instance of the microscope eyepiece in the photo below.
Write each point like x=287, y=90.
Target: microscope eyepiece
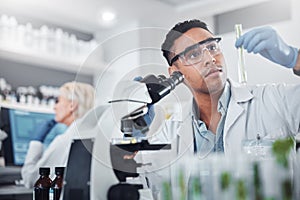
x=175, y=78
x=160, y=86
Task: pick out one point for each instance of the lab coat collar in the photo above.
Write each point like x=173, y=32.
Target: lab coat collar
x=239, y=92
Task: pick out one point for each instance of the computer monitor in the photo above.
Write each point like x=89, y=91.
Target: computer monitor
x=20, y=124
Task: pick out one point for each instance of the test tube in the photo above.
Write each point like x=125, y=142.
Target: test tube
x=241, y=60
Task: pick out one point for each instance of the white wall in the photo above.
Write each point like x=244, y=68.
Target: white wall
x=259, y=69
x=129, y=52
x=121, y=57
x=135, y=50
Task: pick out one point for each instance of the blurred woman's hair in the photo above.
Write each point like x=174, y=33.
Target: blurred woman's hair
x=82, y=93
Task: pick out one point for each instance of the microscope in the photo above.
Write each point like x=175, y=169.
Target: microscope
x=122, y=151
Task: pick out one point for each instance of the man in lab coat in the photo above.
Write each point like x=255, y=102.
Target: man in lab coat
x=222, y=113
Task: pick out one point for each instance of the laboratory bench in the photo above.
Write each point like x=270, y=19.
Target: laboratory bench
x=15, y=192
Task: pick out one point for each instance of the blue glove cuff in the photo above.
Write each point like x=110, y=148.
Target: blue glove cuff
x=42, y=130
x=295, y=56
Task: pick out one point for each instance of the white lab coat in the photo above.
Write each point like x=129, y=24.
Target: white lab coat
x=56, y=155
x=272, y=111
x=98, y=125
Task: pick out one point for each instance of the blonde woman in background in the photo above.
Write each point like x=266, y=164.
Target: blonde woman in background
x=73, y=102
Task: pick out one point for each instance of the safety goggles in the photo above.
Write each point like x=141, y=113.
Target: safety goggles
x=194, y=54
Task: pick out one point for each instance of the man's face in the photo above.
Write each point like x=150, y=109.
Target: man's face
x=206, y=76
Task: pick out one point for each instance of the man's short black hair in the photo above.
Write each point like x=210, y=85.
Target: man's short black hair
x=176, y=32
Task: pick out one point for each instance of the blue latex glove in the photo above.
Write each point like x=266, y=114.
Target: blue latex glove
x=268, y=43
x=148, y=117
x=43, y=129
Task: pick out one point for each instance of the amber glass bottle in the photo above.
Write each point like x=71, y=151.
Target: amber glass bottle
x=42, y=185
x=57, y=183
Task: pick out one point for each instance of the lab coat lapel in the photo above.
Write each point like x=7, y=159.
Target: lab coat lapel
x=185, y=138
x=239, y=94
x=234, y=112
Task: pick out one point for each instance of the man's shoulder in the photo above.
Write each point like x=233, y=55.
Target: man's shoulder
x=178, y=111
x=248, y=91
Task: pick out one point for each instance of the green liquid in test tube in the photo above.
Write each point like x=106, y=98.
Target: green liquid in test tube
x=241, y=60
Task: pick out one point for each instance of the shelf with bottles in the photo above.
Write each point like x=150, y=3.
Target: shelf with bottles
x=44, y=46
x=26, y=107
x=32, y=99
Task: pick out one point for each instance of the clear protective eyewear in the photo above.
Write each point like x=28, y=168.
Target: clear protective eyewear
x=194, y=54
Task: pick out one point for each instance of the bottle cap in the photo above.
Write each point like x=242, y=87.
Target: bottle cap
x=44, y=170
x=59, y=170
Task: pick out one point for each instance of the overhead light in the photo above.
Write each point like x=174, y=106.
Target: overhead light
x=108, y=16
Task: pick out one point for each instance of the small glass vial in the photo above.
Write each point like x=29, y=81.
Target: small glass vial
x=42, y=185
x=57, y=184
